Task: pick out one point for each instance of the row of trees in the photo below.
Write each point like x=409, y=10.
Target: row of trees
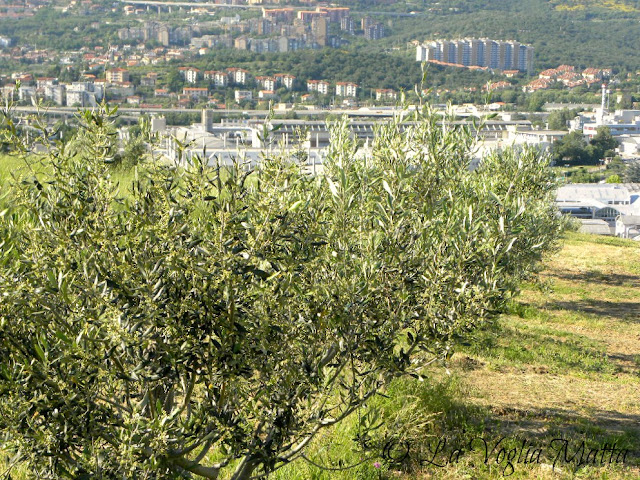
x=202, y=319
x=573, y=149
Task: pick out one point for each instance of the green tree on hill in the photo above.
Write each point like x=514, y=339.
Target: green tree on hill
x=603, y=143
x=206, y=321
x=559, y=119
x=632, y=173
x=573, y=149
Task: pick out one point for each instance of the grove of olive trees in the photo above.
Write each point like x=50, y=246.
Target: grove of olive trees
x=199, y=320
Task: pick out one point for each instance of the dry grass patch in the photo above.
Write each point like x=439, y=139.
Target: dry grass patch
x=566, y=361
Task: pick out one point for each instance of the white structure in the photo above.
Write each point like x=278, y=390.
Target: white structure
x=542, y=139
x=266, y=94
x=628, y=226
x=482, y=52
x=267, y=83
x=27, y=93
x=620, y=122
x=595, y=227
x=319, y=86
x=346, y=89
x=605, y=201
x=238, y=75
x=55, y=93
x=629, y=145
x=219, y=79
x=191, y=75
x=85, y=94
x=242, y=95
x=158, y=124
x=286, y=80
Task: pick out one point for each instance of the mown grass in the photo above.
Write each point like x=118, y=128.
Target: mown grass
x=562, y=364
x=551, y=368
x=14, y=168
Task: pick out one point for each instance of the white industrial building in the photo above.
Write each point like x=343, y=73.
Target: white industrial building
x=628, y=226
x=619, y=122
x=599, y=200
x=616, y=204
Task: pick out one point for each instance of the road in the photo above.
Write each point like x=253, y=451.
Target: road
x=154, y=3
x=361, y=112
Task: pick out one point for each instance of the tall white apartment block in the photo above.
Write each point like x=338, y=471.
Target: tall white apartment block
x=480, y=52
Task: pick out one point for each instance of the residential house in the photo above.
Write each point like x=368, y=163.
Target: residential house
x=386, y=94
x=266, y=94
x=242, y=95
x=267, y=83
x=549, y=74
x=117, y=75
x=592, y=74
x=492, y=86
x=346, y=89
x=196, y=93
x=238, y=75
x=149, y=80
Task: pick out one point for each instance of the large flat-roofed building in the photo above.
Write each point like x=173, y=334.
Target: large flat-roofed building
x=599, y=201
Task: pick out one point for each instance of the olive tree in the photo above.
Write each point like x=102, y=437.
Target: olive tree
x=199, y=319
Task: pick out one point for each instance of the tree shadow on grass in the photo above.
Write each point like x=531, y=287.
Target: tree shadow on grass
x=595, y=277
x=626, y=311
x=508, y=426
x=559, y=350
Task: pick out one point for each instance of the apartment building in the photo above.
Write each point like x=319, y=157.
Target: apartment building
x=195, y=93
x=219, y=79
x=238, y=75
x=117, y=75
x=190, y=74
x=267, y=83
x=319, y=86
x=346, y=89
x=285, y=79
x=386, y=94
x=483, y=52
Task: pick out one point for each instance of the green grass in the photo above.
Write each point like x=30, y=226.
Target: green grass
x=14, y=168
x=11, y=165
x=547, y=369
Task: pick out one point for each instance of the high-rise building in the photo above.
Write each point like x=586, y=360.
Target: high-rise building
x=346, y=25
x=374, y=31
x=493, y=54
x=319, y=28
x=366, y=22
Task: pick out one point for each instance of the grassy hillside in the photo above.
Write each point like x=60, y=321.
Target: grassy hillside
x=564, y=364
x=598, y=33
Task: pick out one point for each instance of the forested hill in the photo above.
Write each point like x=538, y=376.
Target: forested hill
x=584, y=33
